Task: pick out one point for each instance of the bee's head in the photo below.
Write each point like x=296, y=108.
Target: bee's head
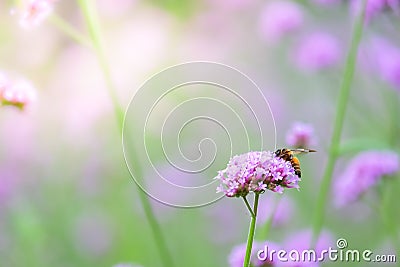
x=278, y=152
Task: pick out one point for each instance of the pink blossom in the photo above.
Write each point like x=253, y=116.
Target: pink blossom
x=374, y=7
x=362, y=173
x=255, y=172
x=319, y=50
x=300, y=135
x=35, y=12
x=19, y=93
x=279, y=18
x=384, y=57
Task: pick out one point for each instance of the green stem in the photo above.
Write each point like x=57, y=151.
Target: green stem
x=65, y=27
x=338, y=125
x=90, y=16
x=248, y=207
x=252, y=229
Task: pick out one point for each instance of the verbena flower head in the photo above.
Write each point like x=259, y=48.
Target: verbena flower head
x=363, y=172
x=35, y=12
x=280, y=18
x=18, y=94
x=319, y=50
x=256, y=172
x=300, y=135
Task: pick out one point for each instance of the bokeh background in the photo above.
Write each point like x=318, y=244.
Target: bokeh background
x=66, y=196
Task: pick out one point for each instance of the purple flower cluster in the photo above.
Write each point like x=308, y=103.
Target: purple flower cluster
x=318, y=51
x=280, y=18
x=300, y=135
x=384, y=59
x=363, y=172
x=256, y=172
x=35, y=11
x=16, y=93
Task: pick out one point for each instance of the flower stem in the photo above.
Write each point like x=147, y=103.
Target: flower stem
x=252, y=229
x=338, y=124
x=66, y=28
x=90, y=16
x=248, y=207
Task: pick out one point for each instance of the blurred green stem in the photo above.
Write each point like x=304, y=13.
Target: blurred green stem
x=338, y=125
x=90, y=16
x=387, y=214
x=66, y=28
x=252, y=229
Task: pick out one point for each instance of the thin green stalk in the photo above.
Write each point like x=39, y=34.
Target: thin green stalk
x=248, y=207
x=66, y=28
x=338, y=125
x=252, y=229
x=90, y=16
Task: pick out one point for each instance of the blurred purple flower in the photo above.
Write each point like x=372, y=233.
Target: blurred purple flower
x=279, y=18
x=8, y=183
x=282, y=210
x=319, y=50
x=35, y=12
x=303, y=241
x=363, y=172
x=256, y=172
x=300, y=135
x=16, y=93
x=384, y=57
x=236, y=257
x=373, y=7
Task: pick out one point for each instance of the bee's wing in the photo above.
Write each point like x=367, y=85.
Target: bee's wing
x=302, y=150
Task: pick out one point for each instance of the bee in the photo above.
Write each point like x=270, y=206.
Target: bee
x=288, y=155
